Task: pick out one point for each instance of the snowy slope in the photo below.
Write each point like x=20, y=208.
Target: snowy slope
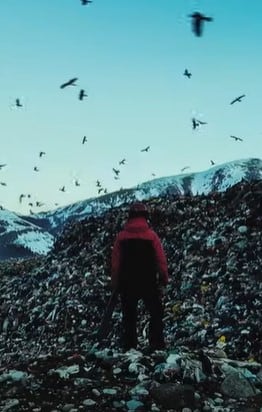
x=25, y=235
x=20, y=238
x=217, y=178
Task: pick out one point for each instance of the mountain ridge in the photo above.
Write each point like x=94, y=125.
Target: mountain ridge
x=22, y=236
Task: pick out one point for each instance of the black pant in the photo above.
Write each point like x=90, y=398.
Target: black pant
x=154, y=306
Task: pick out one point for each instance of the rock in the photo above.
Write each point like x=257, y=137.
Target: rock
x=134, y=405
x=68, y=407
x=111, y=392
x=235, y=385
x=10, y=404
x=88, y=402
x=171, y=395
x=96, y=392
x=242, y=229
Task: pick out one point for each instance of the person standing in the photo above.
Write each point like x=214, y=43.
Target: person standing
x=139, y=271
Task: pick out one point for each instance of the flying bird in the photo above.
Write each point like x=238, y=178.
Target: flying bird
x=145, y=149
x=105, y=191
x=238, y=99
x=36, y=169
x=184, y=168
x=21, y=198
x=41, y=154
x=30, y=204
x=197, y=22
x=62, y=189
x=39, y=204
x=116, y=177
x=195, y=123
x=98, y=183
x=212, y=162
x=18, y=103
x=82, y=94
x=100, y=190
x=70, y=82
x=3, y=183
x=236, y=138
x=187, y=73
x=85, y=2
x=122, y=162
x=84, y=140
x=153, y=174
x=1, y=166
x=116, y=171
x=77, y=183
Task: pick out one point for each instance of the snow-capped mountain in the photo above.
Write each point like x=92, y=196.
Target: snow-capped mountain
x=34, y=234
x=20, y=238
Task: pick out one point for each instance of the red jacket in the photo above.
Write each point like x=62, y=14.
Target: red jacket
x=138, y=228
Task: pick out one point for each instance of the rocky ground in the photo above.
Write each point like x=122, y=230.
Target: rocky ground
x=51, y=308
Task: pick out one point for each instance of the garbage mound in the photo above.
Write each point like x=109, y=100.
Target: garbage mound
x=51, y=309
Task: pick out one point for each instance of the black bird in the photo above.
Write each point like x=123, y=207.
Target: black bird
x=77, y=183
x=212, y=162
x=100, y=190
x=195, y=123
x=21, y=198
x=116, y=177
x=153, y=174
x=187, y=73
x=1, y=166
x=145, y=149
x=197, y=22
x=3, y=183
x=85, y=2
x=36, y=169
x=70, y=82
x=238, y=99
x=122, y=162
x=98, y=183
x=184, y=168
x=1, y=207
x=84, y=140
x=200, y=122
x=30, y=204
x=207, y=366
x=62, y=189
x=18, y=103
x=236, y=138
x=116, y=171
x=105, y=191
x=82, y=94
x=39, y=204
x=41, y=154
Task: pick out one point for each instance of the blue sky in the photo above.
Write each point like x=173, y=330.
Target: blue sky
x=129, y=56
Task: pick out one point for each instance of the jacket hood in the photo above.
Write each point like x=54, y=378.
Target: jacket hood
x=136, y=224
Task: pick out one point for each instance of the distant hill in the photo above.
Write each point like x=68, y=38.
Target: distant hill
x=22, y=236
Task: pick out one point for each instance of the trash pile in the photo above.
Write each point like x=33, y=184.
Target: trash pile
x=51, y=308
